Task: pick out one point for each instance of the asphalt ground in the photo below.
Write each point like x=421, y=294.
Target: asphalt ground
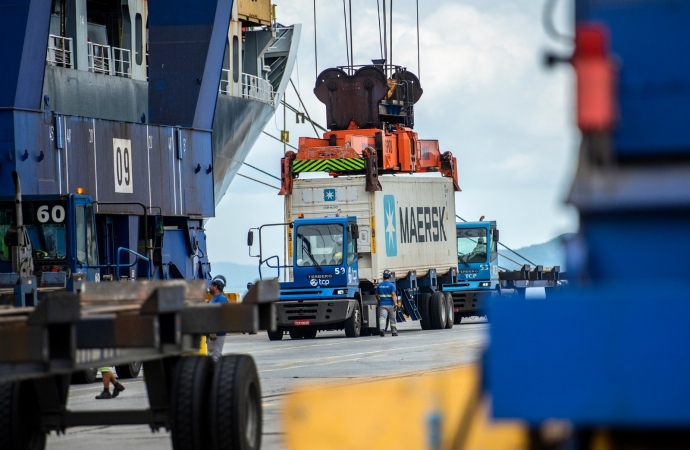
x=283, y=366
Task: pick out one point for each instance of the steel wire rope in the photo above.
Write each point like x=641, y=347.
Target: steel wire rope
x=299, y=97
x=385, y=36
x=278, y=139
x=347, y=47
x=257, y=181
x=352, y=51
x=378, y=11
x=390, y=31
x=262, y=171
x=292, y=108
x=419, y=66
x=506, y=247
x=316, y=54
x=549, y=27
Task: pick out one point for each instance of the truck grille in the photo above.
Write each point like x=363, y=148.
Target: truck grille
x=301, y=311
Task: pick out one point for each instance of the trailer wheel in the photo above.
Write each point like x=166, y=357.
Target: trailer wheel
x=86, y=376
x=276, y=335
x=130, y=370
x=236, y=417
x=450, y=310
x=20, y=419
x=423, y=307
x=296, y=334
x=437, y=311
x=353, y=324
x=189, y=412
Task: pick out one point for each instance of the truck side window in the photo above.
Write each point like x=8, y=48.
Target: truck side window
x=351, y=247
x=91, y=245
x=494, y=247
x=81, y=235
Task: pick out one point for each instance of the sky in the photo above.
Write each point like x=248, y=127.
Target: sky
x=487, y=98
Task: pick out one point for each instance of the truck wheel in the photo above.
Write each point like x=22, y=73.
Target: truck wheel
x=309, y=334
x=130, y=370
x=276, y=335
x=20, y=419
x=423, y=307
x=457, y=319
x=353, y=324
x=86, y=376
x=189, y=412
x=235, y=412
x=437, y=311
x=450, y=310
x=296, y=334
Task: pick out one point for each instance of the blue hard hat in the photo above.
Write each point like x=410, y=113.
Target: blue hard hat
x=386, y=273
x=219, y=280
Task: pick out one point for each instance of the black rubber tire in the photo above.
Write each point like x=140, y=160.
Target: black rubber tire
x=309, y=334
x=450, y=310
x=296, y=334
x=20, y=419
x=365, y=332
x=189, y=409
x=235, y=405
x=353, y=324
x=86, y=376
x=437, y=311
x=457, y=319
x=276, y=335
x=423, y=307
x=130, y=370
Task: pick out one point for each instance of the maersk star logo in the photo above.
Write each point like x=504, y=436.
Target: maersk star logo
x=389, y=225
x=329, y=195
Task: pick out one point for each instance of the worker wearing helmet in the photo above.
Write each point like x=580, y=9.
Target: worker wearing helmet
x=385, y=293
x=217, y=340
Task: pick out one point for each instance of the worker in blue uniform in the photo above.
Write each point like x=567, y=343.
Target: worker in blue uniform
x=217, y=340
x=388, y=299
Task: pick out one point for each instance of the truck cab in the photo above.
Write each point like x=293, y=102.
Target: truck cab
x=324, y=288
x=61, y=231
x=477, y=244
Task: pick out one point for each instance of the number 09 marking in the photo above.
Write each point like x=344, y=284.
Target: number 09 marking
x=57, y=214
x=122, y=165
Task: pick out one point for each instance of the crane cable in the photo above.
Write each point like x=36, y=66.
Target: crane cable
x=378, y=11
x=352, y=51
x=257, y=181
x=507, y=248
x=347, y=47
x=419, y=66
x=316, y=55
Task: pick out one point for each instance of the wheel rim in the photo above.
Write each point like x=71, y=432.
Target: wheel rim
x=252, y=417
x=358, y=320
x=451, y=310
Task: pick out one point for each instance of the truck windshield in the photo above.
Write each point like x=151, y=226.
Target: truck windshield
x=319, y=245
x=46, y=226
x=471, y=245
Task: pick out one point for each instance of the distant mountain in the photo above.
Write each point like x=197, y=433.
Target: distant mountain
x=548, y=254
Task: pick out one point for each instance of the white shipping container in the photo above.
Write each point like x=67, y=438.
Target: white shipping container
x=409, y=225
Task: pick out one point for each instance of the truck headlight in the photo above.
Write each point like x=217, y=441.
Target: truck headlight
x=484, y=284
x=341, y=291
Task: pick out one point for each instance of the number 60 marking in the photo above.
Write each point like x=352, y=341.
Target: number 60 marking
x=57, y=214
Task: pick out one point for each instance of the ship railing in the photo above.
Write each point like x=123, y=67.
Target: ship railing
x=122, y=62
x=253, y=87
x=60, y=51
x=257, y=89
x=99, y=58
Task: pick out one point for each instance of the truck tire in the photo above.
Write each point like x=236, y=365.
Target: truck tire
x=296, y=334
x=450, y=310
x=235, y=409
x=20, y=419
x=353, y=324
x=86, y=376
x=130, y=370
x=437, y=311
x=309, y=334
x=276, y=335
x=457, y=319
x=423, y=307
x=189, y=409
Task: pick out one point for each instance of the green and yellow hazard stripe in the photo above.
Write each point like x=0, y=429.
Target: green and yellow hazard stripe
x=327, y=165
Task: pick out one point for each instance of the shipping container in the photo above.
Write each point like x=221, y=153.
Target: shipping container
x=408, y=225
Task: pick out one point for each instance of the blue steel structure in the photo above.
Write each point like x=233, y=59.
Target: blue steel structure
x=612, y=350
x=146, y=188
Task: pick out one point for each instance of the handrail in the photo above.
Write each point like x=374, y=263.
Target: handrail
x=59, y=51
x=117, y=262
x=252, y=87
x=99, y=58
